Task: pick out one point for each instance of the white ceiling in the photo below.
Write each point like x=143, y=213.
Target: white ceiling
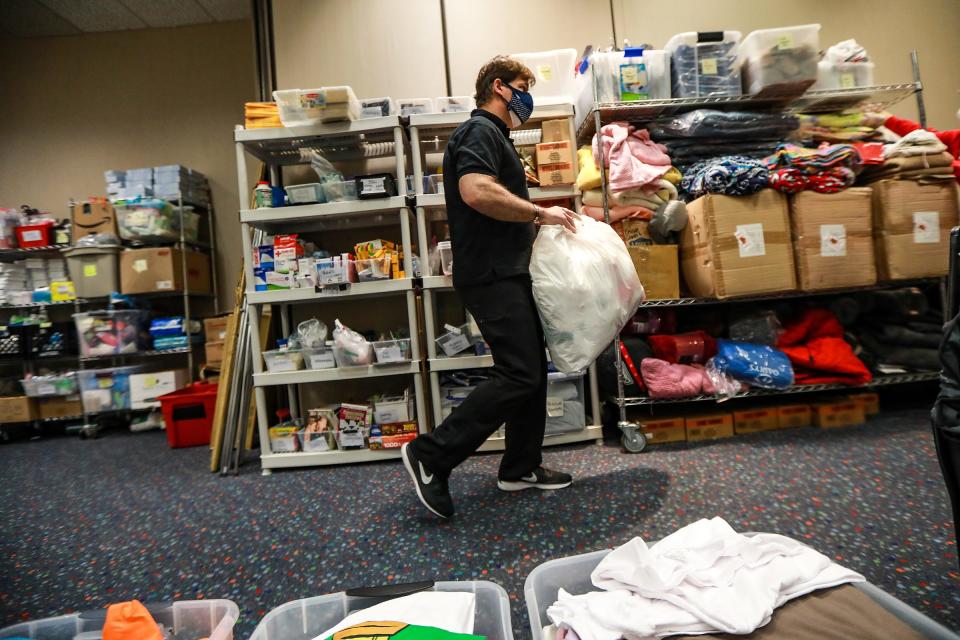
x=35, y=18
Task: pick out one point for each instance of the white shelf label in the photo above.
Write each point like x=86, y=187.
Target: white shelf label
x=554, y=407
x=926, y=227
x=455, y=344
x=750, y=240
x=351, y=439
x=390, y=354
x=373, y=185
x=833, y=240
x=32, y=236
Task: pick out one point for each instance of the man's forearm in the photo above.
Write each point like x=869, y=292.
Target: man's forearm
x=494, y=200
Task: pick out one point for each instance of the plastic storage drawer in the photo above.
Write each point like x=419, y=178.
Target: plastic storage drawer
x=105, y=389
x=94, y=270
x=573, y=576
x=189, y=619
x=306, y=619
x=780, y=61
x=392, y=351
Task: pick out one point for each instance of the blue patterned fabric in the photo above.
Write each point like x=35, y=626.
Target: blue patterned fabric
x=728, y=175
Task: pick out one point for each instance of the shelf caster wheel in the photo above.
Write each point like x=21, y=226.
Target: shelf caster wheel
x=266, y=472
x=632, y=439
x=89, y=432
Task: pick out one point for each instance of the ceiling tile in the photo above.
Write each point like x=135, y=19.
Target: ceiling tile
x=29, y=18
x=223, y=10
x=101, y=15
x=168, y=13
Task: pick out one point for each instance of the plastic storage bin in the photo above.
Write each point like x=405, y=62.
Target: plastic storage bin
x=308, y=193
x=392, y=351
x=390, y=410
x=456, y=341
x=306, y=107
x=556, y=83
x=573, y=576
x=283, y=360
x=843, y=75
x=780, y=61
x=455, y=104
x=434, y=183
x=336, y=271
x=34, y=235
x=415, y=106
x=704, y=64
x=187, y=619
x=94, y=270
x=51, y=339
x=50, y=385
x=105, y=389
x=446, y=257
x=188, y=414
x=374, y=269
x=319, y=358
x=566, y=403
x=377, y=107
x=340, y=191
x=104, y=333
x=307, y=618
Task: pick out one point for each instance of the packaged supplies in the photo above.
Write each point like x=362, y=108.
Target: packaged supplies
x=108, y=332
x=756, y=365
x=585, y=287
x=306, y=107
x=261, y=115
x=152, y=220
x=704, y=64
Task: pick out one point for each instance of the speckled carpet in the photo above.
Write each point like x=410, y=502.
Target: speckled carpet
x=85, y=523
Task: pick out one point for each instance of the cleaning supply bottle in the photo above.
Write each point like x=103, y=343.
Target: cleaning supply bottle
x=263, y=196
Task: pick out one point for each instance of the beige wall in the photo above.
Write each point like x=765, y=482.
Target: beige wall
x=76, y=106
x=358, y=42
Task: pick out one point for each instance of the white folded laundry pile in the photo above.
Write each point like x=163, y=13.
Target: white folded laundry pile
x=703, y=578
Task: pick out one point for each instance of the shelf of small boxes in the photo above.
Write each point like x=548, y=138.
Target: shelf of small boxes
x=283, y=275
x=346, y=433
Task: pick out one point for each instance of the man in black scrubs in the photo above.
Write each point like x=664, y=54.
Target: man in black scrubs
x=492, y=228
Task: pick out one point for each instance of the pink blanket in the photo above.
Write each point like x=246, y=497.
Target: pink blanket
x=633, y=158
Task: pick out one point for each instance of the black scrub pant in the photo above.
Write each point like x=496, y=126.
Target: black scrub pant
x=515, y=392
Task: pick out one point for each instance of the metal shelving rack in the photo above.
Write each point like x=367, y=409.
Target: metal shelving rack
x=429, y=134
x=356, y=140
x=818, y=101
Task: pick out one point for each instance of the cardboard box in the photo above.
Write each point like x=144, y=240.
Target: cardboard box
x=555, y=131
x=158, y=269
x=753, y=420
x=214, y=353
x=912, y=223
x=658, y=266
x=869, y=401
x=833, y=239
x=92, y=217
x=17, y=409
x=737, y=245
x=59, y=407
x=843, y=413
x=145, y=388
x=794, y=415
x=554, y=153
x=709, y=427
x=555, y=174
x=633, y=232
x=664, y=430
x=215, y=329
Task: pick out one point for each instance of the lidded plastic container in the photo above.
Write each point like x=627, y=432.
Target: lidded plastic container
x=704, y=64
x=780, y=61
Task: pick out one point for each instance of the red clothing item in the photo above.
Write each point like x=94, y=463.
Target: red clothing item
x=819, y=354
x=902, y=126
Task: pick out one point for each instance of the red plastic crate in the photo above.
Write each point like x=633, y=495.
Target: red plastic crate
x=188, y=414
x=34, y=235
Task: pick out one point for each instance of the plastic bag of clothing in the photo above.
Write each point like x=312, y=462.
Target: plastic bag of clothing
x=586, y=289
x=755, y=364
x=349, y=347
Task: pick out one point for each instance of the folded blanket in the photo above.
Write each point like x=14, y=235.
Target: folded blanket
x=793, y=180
x=589, y=176
x=730, y=175
x=916, y=143
x=817, y=160
x=630, y=198
x=704, y=123
x=633, y=158
x=617, y=213
x=665, y=380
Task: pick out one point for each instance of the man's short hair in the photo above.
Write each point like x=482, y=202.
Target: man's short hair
x=505, y=68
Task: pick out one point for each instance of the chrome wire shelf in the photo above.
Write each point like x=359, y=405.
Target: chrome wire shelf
x=138, y=354
x=879, y=381
x=884, y=96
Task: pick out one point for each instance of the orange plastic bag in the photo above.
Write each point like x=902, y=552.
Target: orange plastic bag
x=130, y=621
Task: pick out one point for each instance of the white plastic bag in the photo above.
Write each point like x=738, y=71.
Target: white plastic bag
x=350, y=349
x=586, y=289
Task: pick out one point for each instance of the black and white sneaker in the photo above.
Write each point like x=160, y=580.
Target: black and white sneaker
x=540, y=478
x=433, y=492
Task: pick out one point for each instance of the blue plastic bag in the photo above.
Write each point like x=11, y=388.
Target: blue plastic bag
x=754, y=364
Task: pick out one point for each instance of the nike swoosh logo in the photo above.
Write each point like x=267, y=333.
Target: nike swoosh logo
x=530, y=478
x=424, y=476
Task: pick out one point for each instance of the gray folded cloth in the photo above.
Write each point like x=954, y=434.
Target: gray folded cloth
x=669, y=219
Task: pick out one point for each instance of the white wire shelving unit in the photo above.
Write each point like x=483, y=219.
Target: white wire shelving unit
x=428, y=135
x=342, y=141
